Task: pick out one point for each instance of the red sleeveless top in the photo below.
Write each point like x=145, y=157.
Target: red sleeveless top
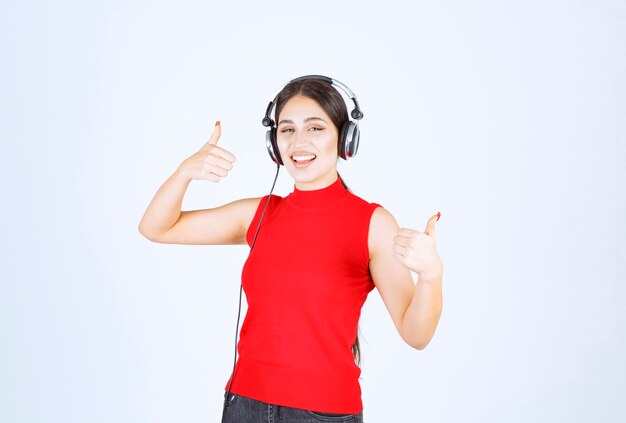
x=305, y=280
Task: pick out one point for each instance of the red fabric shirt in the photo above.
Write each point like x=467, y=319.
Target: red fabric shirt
x=305, y=280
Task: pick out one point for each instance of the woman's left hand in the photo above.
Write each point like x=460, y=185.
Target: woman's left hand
x=417, y=251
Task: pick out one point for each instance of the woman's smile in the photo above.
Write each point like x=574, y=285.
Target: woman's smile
x=302, y=159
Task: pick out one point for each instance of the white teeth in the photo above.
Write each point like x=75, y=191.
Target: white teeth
x=303, y=158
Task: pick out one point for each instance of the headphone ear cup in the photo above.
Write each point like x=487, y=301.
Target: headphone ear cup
x=272, y=146
x=349, y=138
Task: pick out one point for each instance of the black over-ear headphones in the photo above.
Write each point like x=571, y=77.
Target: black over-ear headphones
x=349, y=134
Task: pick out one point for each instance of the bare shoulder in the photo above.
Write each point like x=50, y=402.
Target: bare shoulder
x=383, y=227
x=233, y=219
x=244, y=205
x=246, y=208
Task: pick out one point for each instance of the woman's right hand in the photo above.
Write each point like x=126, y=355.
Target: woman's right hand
x=211, y=162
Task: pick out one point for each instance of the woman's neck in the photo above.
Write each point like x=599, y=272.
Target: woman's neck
x=317, y=184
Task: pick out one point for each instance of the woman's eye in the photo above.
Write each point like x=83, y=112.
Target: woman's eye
x=315, y=128
x=284, y=130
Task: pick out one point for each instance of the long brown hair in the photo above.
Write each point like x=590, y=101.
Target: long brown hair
x=334, y=105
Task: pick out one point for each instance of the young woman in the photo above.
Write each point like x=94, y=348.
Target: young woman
x=320, y=251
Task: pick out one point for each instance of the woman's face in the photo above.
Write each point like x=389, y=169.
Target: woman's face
x=307, y=141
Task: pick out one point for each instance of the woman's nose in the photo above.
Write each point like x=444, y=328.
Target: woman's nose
x=299, y=139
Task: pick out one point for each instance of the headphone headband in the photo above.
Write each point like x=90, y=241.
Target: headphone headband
x=356, y=113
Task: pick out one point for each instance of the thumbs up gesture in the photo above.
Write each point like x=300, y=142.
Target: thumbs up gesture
x=211, y=162
x=417, y=251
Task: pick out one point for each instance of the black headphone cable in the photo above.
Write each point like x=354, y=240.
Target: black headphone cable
x=232, y=377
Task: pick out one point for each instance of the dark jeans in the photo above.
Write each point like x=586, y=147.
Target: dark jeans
x=240, y=409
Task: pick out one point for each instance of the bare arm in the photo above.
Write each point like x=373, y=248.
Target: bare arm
x=414, y=308
x=164, y=221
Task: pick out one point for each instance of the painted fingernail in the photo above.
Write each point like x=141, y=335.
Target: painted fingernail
x=438, y=215
x=217, y=123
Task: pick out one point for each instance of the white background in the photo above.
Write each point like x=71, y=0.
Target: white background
x=508, y=117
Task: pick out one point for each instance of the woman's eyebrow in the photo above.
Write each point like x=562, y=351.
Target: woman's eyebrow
x=305, y=120
x=314, y=118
